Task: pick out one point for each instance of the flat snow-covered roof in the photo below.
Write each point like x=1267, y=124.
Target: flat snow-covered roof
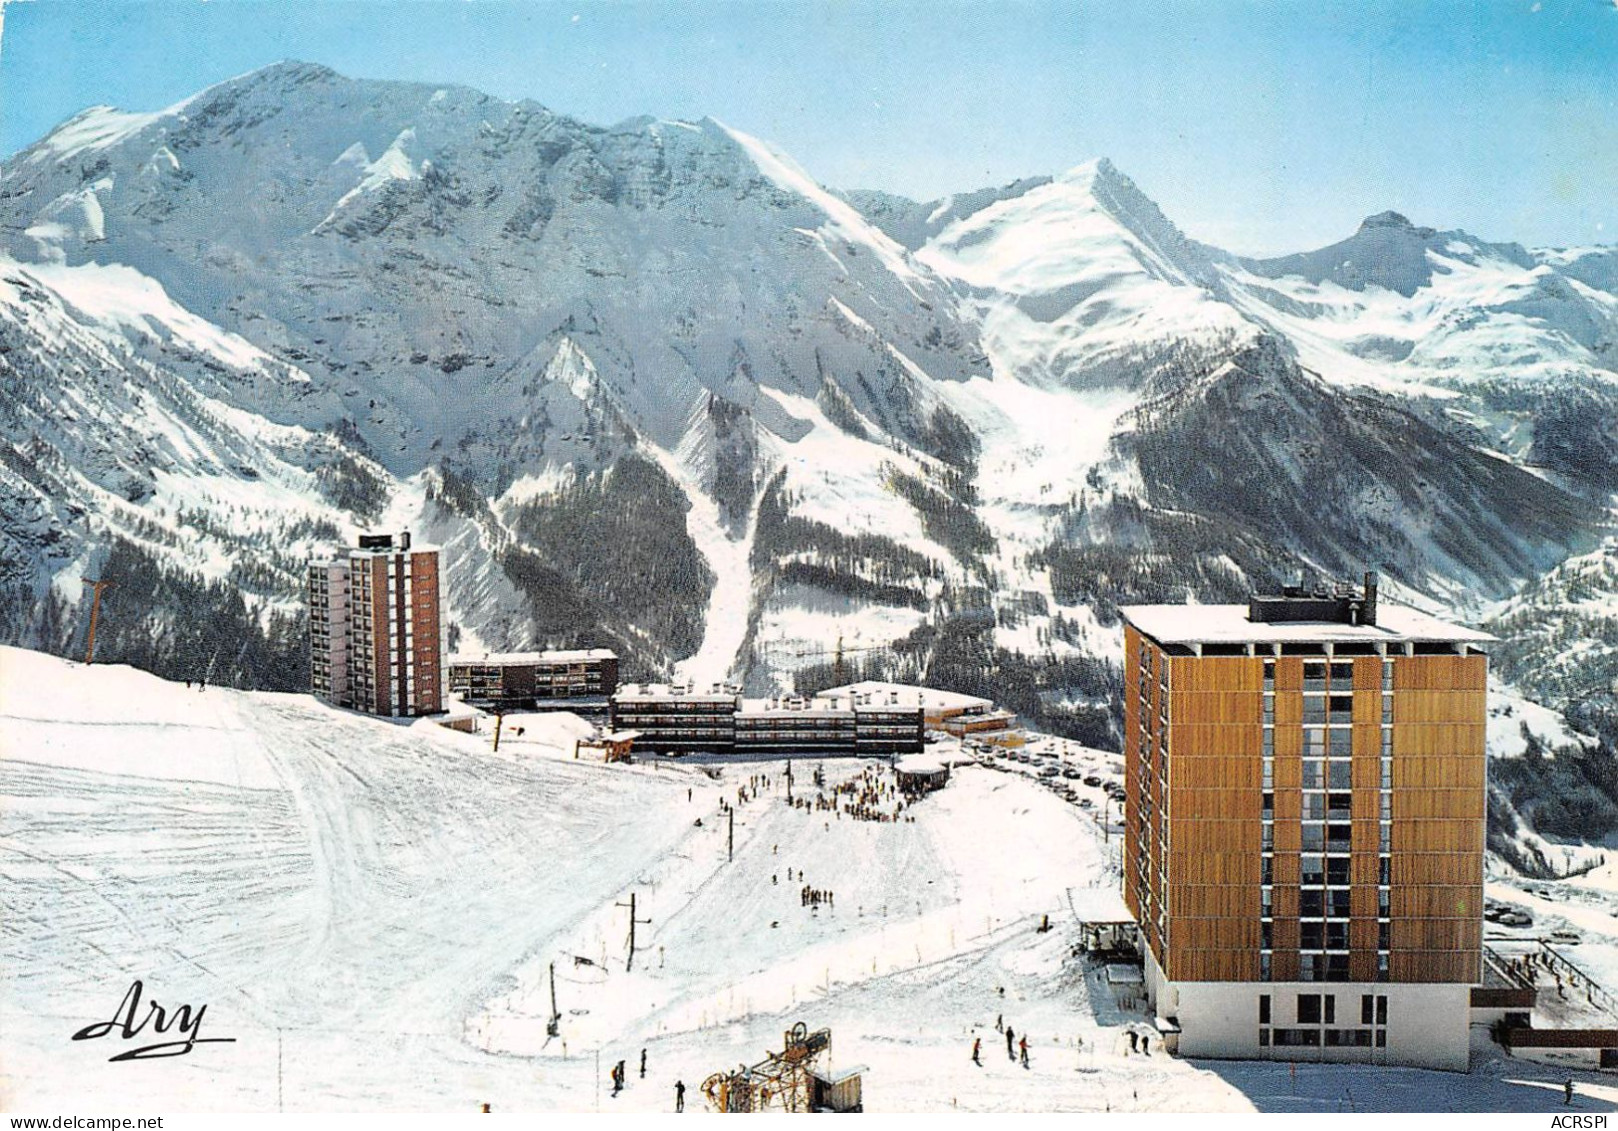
x=385, y=551
x=778, y=709
x=1228, y=624
x=910, y=694
x=1099, y=905
x=559, y=657
x=638, y=692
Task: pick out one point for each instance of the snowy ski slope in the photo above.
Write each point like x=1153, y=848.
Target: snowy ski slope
x=369, y=911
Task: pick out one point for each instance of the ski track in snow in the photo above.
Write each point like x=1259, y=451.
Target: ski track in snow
x=378, y=913
x=725, y=623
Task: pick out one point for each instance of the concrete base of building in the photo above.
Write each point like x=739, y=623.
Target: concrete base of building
x=1416, y=1025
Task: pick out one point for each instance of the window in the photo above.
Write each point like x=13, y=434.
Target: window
x=1264, y=966
x=1367, y=1012
x=1311, y=903
x=1263, y=1038
x=1311, y=935
x=1314, y=676
x=1381, y=1009
x=1263, y=1009
x=1381, y=1038
x=1313, y=870
x=1337, y=968
x=1330, y=1004
x=1337, y=871
x=1308, y=1009
x=1342, y=675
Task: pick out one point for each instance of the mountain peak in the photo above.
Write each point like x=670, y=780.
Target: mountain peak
x=1388, y=219
x=1391, y=221
x=1097, y=171
x=290, y=69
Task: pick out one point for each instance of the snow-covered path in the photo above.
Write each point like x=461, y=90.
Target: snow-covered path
x=369, y=912
x=725, y=623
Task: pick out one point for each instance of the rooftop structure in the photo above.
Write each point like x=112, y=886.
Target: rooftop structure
x=1398, y=629
x=931, y=699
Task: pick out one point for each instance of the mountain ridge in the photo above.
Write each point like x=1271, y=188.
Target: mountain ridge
x=654, y=386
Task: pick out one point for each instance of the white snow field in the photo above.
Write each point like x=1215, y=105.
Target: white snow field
x=369, y=912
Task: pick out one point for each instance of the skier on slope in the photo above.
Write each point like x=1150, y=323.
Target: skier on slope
x=977, y=1051
x=1010, y=1038
x=1022, y=1047
x=679, y=1095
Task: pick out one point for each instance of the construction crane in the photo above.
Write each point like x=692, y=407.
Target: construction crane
x=95, y=612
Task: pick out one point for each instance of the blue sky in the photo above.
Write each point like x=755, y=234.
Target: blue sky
x=1262, y=127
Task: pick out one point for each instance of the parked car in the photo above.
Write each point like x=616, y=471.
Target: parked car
x=1092, y=781
x=1072, y=775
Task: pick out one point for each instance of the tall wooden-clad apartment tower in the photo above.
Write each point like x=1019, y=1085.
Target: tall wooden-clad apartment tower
x=375, y=632
x=1305, y=825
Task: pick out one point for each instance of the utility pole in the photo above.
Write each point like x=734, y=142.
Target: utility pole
x=630, y=965
x=730, y=838
x=95, y=612
x=554, y=1028
x=498, y=719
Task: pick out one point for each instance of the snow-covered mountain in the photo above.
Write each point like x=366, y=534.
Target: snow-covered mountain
x=653, y=386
